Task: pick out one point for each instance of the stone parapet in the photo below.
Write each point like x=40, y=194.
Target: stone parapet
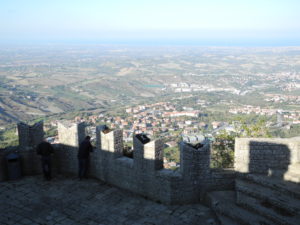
x=265, y=155
x=143, y=174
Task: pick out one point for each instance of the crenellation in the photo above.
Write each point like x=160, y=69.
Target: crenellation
x=108, y=142
x=118, y=143
x=153, y=155
x=195, y=170
x=144, y=173
x=70, y=134
x=30, y=136
x=194, y=162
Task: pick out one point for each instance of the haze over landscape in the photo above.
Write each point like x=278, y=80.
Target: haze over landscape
x=129, y=64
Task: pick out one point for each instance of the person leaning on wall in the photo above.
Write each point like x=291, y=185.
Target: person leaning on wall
x=85, y=148
x=45, y=149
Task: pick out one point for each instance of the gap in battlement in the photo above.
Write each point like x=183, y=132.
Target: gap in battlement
x=128, y=150
x=171, y=156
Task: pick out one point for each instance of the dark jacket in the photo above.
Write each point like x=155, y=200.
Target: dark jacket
x=85, y=148
x=44, y=149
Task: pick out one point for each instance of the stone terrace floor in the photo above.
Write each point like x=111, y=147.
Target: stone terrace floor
x=65, y=200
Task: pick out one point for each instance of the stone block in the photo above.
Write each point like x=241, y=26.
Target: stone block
x=70, y=134
x=30, y=135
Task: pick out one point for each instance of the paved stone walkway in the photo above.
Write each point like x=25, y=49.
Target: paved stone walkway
x=32, y=201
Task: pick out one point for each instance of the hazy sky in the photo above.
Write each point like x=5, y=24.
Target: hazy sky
x=167, y=21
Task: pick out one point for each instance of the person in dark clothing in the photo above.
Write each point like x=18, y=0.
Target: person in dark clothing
x=45, y=149
x=85, y=148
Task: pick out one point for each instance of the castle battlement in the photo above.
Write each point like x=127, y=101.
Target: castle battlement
x=30, y=135
x=144, y=174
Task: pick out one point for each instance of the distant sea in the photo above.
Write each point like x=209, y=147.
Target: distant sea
x=162, y=42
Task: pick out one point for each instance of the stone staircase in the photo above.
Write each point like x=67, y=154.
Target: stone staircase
x=259, y=200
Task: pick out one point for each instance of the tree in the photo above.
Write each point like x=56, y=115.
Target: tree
x=222, y=154
x=8, y=138
x=258, y=129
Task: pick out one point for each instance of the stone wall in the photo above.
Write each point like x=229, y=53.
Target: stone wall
x=139, y=174
x=266, y=155
x=143, y=174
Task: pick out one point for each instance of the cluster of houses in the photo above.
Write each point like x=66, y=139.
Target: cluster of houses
x=248, y=109
x=279, y=98
x=156, y=120
x=186, y=87
x=290, y=116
